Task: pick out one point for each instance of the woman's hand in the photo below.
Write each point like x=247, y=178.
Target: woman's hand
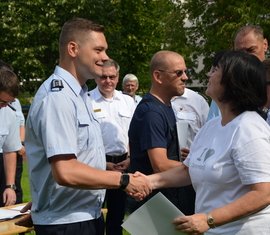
x=194, y=224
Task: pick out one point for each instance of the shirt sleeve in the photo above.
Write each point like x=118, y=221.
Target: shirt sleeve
x=252, y=161
x=57, y=125
x=19, y=114
x=12, y=142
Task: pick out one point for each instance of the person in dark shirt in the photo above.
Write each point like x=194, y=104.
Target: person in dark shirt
x=153, y=138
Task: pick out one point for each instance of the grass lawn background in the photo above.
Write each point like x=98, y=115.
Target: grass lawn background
x=26, y=190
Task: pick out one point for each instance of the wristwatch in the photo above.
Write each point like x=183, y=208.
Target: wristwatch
x=124, y=181
x=11, y=186
x=210, y=221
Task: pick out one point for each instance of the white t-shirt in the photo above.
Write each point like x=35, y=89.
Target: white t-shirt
x=224, y=161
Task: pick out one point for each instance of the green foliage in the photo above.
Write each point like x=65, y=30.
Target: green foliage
x=214, y=24
x=135, y=30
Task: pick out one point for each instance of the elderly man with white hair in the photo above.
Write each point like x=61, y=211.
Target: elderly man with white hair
x=130, y=86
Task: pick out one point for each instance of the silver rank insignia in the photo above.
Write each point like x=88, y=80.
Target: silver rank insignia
x=56, y=85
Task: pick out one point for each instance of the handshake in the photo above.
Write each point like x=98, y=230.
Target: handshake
x=139, y=186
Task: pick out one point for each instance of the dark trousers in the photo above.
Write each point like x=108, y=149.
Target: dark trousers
x=187, y=200
x=19, y=170
x=115, y=201
x=90, y=227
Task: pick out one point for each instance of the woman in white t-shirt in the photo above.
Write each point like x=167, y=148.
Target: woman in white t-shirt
x=229, y=160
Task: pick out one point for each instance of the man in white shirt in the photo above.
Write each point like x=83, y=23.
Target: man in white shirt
x=192, y=108
x=114, y=111
x=130, y=86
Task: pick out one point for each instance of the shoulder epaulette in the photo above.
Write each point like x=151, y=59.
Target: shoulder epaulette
x=11, y=107
x=57, y=85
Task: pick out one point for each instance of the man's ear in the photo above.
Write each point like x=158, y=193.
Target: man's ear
x=157, y=77
x=265, y=45
x=72, y=49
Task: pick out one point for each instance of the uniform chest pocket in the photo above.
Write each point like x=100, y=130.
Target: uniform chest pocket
x=191, y=116
x=125, y=114
x=100, y=114
x=83, y=131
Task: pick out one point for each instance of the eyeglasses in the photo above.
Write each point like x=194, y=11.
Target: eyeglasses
x=178, y=73
x=111, y=77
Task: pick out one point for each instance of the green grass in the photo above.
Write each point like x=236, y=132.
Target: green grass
x=26, y=190
x=25, y=183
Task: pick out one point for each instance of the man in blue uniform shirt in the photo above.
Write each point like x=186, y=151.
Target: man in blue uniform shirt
x=9, y=136
x=64, y=143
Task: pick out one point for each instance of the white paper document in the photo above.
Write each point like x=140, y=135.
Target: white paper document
x=11, y=213
x=182, y=132
x=153, y=218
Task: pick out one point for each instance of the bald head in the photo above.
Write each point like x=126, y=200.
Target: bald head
x=250, y=38
x=163, y=60
x=168, y=73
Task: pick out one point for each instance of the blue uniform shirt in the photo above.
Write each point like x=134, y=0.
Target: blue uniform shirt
x=9, y=131
x=19, y=114
x=61, y=121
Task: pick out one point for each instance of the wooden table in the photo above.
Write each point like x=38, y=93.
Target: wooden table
x=9, y=227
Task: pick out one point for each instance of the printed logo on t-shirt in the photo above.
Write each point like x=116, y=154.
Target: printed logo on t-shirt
x=206, y=154
x=200, y=161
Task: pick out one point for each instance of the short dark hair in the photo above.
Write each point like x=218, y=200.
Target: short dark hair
x=112, y=63
x=5, y=65
x=218, y=55
x=74, y=27
x=9, y=82
x=244, y=79
x=244, y=30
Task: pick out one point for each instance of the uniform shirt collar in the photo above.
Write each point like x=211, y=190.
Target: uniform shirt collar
x=96, y=95
x=70, y=80
x=185, y=96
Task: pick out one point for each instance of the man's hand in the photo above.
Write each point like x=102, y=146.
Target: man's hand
x=184, y=153
x=22, y=151
x=26, y=220
x=9, y=197
x=123, y=166
x=111, y=166
x=139, y=186
x=26, y=207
